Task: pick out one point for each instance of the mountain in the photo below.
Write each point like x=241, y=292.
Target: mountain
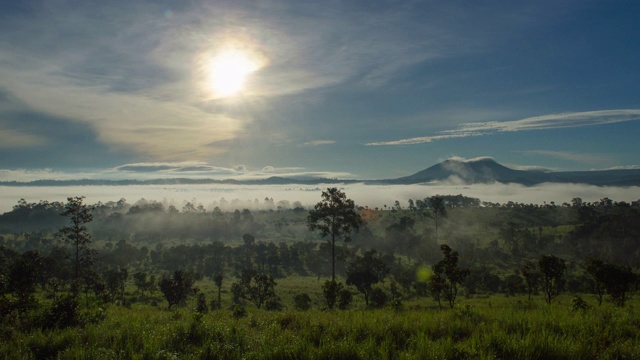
x=481, y=171
x=488, y=171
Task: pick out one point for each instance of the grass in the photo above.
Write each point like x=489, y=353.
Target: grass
x=489, y=328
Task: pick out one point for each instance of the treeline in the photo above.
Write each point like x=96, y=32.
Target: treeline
x=67, y=267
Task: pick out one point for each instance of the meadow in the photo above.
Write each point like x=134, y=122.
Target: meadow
x=482, y=327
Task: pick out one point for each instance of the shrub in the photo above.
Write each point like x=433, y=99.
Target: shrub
x=344, y=299
x=201, y=305
x=62, y=314
x=302, y=301
x=378, y=298
x=331, y=291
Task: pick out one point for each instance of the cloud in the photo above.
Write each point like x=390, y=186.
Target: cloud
x=140, y=81
x=555, y=121
x=319, y=142
x=623, y=167
x=11, y=139
x=571, y=156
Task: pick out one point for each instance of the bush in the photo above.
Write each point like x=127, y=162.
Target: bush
x=344, y=299
x=62, y=314
x=273, y=304
x=201, y=305
x=238, y=311
x=331, y=291
x=302, y=301
x=378, y=298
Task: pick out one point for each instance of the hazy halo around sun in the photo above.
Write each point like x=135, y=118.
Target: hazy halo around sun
x=228, y=71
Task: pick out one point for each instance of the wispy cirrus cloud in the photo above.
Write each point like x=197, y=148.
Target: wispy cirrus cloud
x=173, y=170
x=15, y=139
x=319, y=142
x=571, y=156
x=546, y=122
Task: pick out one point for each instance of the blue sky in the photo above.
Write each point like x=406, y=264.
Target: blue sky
x=347, y=89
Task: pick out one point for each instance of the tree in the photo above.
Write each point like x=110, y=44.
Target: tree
x=177, y=288
x=618, y=280
x=438, y=210
x=447, y=276
x=116, y=280
x=257, y=288
x=531, y=277
x=77, y=234
x=218, y=281
x=551, y=270
x=613, y=279
x=335, y=217
x=596, y=270
x=331, y=290
x=143, y=281
x=23, y=279
x=365, y=271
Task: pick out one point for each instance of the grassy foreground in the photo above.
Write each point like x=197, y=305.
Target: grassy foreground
x=493, y=328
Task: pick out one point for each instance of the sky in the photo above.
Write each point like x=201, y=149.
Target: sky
x=131, y=89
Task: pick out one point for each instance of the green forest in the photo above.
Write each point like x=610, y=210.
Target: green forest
x=443, y=277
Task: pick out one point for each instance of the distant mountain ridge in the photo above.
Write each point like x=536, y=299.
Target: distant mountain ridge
x=480, y=171
x=489, y=171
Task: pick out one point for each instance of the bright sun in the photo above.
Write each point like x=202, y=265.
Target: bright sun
x=229, y=70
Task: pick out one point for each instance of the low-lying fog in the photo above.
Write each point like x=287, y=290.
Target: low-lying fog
x=231, y=197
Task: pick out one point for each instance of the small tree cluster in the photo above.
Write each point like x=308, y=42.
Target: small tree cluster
x=178, y=287
x=256, y=288
x=447, y=277
x=615, y=280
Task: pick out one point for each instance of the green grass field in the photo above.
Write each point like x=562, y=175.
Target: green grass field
x=484, y=327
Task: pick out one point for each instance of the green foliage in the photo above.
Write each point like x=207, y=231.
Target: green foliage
x=335, y=217
x=177, y=287
x=302, y=301
x=551, y=272
x=331, y=290
x=344, y=299
x=365, y=271
x=77, y=234
x=447, y=277
x=379, y=298
x=474, y=331
x=201, y=305
x=578, y=304
x=63, y=313
x=257, y=288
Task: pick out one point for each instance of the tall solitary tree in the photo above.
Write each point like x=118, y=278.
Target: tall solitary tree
x=77, y=234
x=334, y=217
x=551, y=271
x=438, y=210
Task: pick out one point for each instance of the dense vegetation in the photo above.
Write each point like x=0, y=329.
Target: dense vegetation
x=443, y=277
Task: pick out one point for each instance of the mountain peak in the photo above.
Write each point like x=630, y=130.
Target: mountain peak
x=478, y=170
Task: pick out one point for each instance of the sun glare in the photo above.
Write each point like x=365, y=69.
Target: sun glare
x=229, y=71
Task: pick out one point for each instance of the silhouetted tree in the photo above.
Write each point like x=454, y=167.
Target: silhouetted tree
x=336, y=217
x=438, y=210
x=217, y=279
x=257, y=288
x=596, y=270
x=177, y=288
x=531, y=277
x=365, y=271
x=551, y=271
x=77, y=235
x=447, y=276
x=615, y=280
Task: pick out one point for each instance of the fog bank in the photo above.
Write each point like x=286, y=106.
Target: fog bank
x=230, y=197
